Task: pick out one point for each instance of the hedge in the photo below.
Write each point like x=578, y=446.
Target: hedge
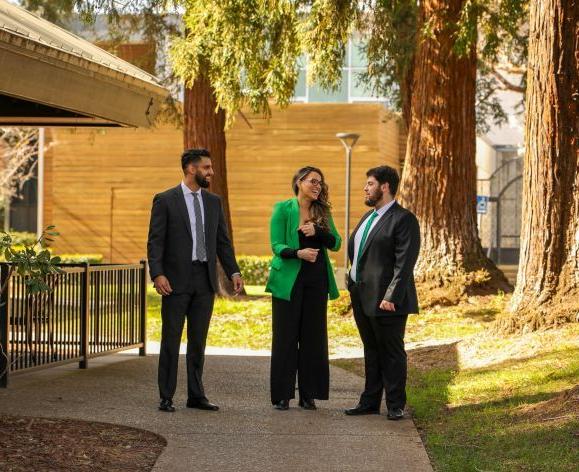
x=255, y=269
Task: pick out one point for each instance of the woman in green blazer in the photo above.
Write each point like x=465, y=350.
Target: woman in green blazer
x=300, y=280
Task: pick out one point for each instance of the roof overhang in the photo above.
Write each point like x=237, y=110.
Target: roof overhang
x=50, y=77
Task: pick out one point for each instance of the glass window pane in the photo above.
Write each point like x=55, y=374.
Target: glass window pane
x=340, y=95
x=359, y=89
x=358, y=54
x=300, y=90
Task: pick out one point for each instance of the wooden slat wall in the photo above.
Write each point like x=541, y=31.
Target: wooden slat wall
x=100, y=183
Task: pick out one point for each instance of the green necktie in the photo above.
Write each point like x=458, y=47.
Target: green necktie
x=363, y=240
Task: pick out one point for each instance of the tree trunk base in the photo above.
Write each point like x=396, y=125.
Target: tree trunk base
x=549, y=315
x=444, y=289
x=225, y=286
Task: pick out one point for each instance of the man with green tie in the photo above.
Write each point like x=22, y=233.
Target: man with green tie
x=383, y=250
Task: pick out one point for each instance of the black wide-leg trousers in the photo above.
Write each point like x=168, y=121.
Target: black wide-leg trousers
x=300, y=343
x=197, y=307
x=384, y=356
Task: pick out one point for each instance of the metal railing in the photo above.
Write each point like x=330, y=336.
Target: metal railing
x=91, y=311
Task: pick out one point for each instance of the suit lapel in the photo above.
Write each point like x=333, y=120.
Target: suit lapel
x=352, y=235
x=207, y=215
x=378, y=227
x=182, y=207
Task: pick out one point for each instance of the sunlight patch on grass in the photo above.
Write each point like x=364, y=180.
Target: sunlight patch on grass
x=512, y=412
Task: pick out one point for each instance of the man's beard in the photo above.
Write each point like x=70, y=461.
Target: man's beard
x=201, y=181
x=374, y=198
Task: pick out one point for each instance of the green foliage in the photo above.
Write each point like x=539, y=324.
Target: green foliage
x=81, y=258
x=391, y=32
x=21, y=238
x=255, y=269
x=248, y=49
x=342, y=305
x=325, y=32
x=32, y=261
x=392, y=29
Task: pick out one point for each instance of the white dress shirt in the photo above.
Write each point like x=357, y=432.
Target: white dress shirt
x=188, y=194
x=358, y=238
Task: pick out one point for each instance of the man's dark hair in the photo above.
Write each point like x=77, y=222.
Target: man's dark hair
x=193, y=156
x=385, y=174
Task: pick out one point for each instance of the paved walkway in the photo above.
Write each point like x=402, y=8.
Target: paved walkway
x=245, y=435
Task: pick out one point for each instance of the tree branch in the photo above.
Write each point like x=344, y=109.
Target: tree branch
x=507, y=84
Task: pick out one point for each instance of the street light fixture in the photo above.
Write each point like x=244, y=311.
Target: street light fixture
x=349, y=141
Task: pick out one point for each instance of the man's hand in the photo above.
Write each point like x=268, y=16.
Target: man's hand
x=308, y=254
x=162, y=285
x=308, y=229
x=387, y=306
x=237, y=283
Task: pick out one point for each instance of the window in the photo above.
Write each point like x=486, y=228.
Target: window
x=351, y=89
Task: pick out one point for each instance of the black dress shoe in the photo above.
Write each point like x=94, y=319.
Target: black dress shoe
x=166, y=405
x=281, y=405
x=395, y=414
x=307, y=404
x=201, y=404
x=360, y=409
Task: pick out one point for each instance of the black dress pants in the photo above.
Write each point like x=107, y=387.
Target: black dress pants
x=384, y=356
x=197, y=307
x=300, y=343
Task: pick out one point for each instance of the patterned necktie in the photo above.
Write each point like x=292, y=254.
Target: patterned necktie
x=201, y=252
x=363, y=240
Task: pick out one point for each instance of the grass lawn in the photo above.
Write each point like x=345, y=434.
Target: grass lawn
x=245, y=322
x=490, y=403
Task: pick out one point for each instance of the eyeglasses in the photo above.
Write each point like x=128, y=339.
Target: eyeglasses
x=314, y=182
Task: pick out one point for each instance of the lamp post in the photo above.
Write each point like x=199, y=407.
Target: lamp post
x=349, y=141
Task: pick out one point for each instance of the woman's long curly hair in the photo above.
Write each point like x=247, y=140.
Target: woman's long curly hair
x=320, y=209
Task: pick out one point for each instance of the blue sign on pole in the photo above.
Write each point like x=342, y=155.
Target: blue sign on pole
x=482, y=203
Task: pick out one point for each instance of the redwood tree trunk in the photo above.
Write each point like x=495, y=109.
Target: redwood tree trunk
x=547, y=290
x=204, y=127
x=439, y=178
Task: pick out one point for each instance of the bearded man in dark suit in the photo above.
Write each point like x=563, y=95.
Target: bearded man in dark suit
x=187, y=234
x=383, y=250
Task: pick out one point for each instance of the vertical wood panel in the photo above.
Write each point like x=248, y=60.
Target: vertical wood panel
x=100, y=183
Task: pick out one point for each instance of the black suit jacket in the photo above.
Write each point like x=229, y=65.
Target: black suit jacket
x=170, y=242
x=387, y=263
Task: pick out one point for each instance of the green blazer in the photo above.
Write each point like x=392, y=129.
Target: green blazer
x=285, y=221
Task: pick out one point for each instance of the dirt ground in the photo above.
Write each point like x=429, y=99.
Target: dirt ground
x=46, y=444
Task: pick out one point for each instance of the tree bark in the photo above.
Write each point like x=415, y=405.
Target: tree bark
x=204, y=127
x=439, y=178
x=547, y=290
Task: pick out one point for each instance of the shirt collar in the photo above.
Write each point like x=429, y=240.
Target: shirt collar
x=385, y=208
x=187, y=190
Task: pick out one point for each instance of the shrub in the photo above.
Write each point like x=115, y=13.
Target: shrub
x=255, y=269
x=81, y=258
x=341, y=306
x=22, y=238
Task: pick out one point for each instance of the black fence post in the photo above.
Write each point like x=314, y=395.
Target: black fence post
x=143, y=308
x=4, y=326
x=84, y=322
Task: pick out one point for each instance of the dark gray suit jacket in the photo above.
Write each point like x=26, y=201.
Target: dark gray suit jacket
x=170, y=243
x=387, y=263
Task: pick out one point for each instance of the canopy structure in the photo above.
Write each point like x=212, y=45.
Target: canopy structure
x=50, y=77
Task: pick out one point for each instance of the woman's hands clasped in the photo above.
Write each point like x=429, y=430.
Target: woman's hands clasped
x=308, y=229
x=308, y=254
